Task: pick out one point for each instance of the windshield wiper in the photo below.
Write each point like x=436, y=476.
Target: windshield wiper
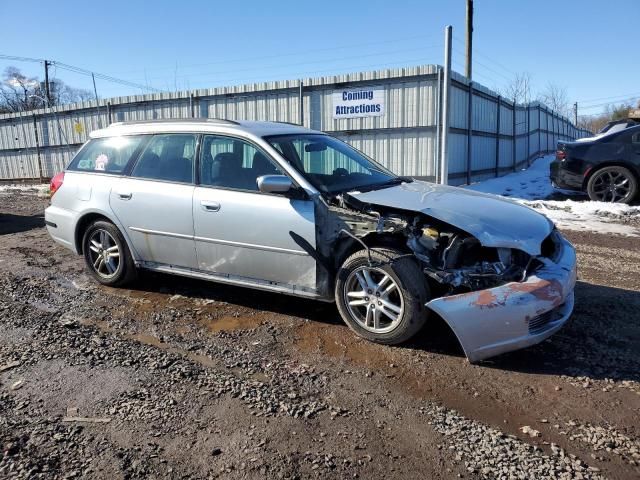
x=394, y=181
x=388, y=183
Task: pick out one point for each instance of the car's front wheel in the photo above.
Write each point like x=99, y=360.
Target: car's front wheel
x=107, y=255
x=612, y=184
x=382, y=300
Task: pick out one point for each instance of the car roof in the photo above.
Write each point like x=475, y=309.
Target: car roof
x=201, y=125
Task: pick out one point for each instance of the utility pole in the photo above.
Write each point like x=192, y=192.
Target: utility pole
x=575, y=114
x=46, y=82
x=95, y=90
x=469, y=38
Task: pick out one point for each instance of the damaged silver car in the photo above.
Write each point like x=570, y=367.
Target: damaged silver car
x=283, y=208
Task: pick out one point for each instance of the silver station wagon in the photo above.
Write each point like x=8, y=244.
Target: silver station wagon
x=283, y=208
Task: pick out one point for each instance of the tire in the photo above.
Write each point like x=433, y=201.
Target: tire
x=601, y=185
x=411, y=292
x=107, y=255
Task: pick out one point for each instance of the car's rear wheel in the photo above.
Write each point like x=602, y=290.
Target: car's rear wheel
x=107, y=255
x=382, y=301
x=612, y=184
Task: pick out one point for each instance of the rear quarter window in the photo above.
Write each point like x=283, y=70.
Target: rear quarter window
x=106, y=155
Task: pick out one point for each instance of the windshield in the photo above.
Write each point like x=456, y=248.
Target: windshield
x=330, y=165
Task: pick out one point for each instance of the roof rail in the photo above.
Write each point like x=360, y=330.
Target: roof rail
x=176, y=120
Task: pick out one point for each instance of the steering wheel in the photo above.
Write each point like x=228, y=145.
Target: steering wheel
x=340, y=172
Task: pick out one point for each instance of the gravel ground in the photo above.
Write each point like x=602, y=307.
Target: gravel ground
x=186, y=379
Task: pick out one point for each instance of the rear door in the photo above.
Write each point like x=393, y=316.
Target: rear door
x=155, y=202
x=634, y=150
x=241, y=232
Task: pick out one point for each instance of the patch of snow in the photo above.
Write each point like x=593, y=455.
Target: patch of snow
x=41, y=190
x=589, y=216
x=532, y=187
x=531, y=183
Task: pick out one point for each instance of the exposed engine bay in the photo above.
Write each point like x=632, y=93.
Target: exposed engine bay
x=451, y=258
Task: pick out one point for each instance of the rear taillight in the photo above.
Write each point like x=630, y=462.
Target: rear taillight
x=560, y=155
x=56, y=183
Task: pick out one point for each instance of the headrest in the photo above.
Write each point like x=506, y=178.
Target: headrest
x=226, y=163
x=262, y=165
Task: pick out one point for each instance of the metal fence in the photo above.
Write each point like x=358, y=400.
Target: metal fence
x=488, y=135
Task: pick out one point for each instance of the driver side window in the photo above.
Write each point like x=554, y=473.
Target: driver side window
x=227, y=162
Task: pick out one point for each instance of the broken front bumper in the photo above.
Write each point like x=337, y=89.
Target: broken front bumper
x=515, y=315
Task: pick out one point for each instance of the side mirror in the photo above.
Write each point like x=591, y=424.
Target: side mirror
x=274, y=184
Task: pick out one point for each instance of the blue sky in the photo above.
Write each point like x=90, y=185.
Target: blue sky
x=588, y=46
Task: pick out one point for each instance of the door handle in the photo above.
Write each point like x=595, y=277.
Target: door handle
x=125, y=195
x=209, y=206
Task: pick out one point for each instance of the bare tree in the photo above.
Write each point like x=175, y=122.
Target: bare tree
x=62, y=94
x=519, y=89
x=611, y=112
x=593, y=123
x=556, y=98
x=19, y=92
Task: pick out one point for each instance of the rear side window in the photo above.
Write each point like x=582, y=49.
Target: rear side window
x=167, y=157
x=106, y=155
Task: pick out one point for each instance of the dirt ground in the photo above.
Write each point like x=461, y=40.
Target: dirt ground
x=187, y=379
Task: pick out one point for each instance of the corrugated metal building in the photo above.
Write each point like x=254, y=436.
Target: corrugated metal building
x=405, y=138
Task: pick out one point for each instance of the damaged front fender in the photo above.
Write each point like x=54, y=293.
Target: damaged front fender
x=515, y=315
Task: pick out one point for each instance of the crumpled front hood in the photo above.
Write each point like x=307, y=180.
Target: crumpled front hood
x=493, y=220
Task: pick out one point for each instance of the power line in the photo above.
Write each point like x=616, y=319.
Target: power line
x=487, y=57
x=616, y=98
x=475, y=62
x=79, y=70
x=612, y=98
x=301, y=52
x=21, y=59
x=604, y=104
x=102, y=76
x=290, y=65
x=400, y=63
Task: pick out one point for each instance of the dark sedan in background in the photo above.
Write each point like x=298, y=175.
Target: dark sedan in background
x=607, y=168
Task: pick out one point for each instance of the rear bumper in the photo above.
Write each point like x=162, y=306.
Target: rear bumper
x=61, y=224
x=562, y=177
x=514, y=315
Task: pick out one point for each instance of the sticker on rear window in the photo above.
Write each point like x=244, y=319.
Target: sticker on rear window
x=101, y=162
x=85, y=164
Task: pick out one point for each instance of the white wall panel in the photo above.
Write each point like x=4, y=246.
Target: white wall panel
x=403, y=139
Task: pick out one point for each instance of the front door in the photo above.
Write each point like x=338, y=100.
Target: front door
x=243, y=233
x=154, y=204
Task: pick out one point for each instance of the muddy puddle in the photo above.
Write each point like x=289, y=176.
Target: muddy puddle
x=152, y=341
x=233, y=322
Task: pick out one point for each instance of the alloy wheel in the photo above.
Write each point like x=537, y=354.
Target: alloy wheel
x=611, y=185
x=104, y=253
x=373, y=299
